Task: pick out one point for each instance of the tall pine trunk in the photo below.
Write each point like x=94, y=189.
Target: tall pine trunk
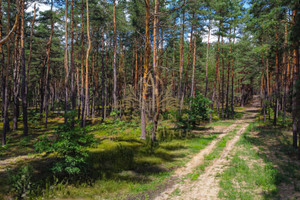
x=24, y=95
x=87, y=64
x=206, y=66
x=193, y=69
x=25, y=126
x=73, y=91
x=103, y=80
x=66, y=61
x=115, y=103
x=46, y=90
x=216, y=78
x=82, y=68
x=296, y=91
x=16, y=76
x=155, y=71
x=189, y=58
x=146, y=70
x=181, y=59
x=232, y=76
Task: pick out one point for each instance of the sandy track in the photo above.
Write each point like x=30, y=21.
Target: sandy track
x=207, y=185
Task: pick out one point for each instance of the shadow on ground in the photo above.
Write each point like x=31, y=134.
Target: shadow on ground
x=276, y=147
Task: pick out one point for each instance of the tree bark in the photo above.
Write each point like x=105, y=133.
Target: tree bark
x=181, y=59
x=228, y=79
x=188, y=58
x=296, y=91
x=73, y=91
x=66, y=61
x=115, y=103
x=146, y=69
x=16, y=75
x=277, y=93
x=206, y=66
x=173, y=69
x=193, y=69
x=216, y=78
x=87, y=64
x=155, y=71
x=232, y=76
x=24, y=95
x=285, y=60
x=82, y=68
x=30, y=50
x=103, y=80
x=46, y=90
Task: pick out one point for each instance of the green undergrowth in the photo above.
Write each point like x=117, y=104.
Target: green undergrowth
x=125, y=168
x=264, y=172
x=120, y=166
x=216, y=153
x=248, y=175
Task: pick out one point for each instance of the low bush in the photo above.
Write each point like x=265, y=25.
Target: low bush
x=199, y=111
x=21, y=184
x=69, y=144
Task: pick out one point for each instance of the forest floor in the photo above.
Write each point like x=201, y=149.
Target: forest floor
x=198, y=179
x=250, y=160
x=243, y=158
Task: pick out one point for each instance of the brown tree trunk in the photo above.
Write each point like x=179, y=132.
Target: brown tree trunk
x=223, y=82
x=173, y=69
x=93, y=84
x=136, y=72
x=4, y=86
x=115, y=103
x=216, y=78
x=232, y=77
x=66, y=61
x=46, y=90
x=155, y=71
x=277, y=94
x=189, y=58
x=30, y=50
x=285, y=85
x=296, y=91
x=181, y=59
x=146, y=69
x=24, y=95
x=73, y=91
x=6, y=73
x=16, y=76
x=206, y=66
x=228, y=81
x=82, y=68
x=103, y=80
x=87, y=64
x=193, y=69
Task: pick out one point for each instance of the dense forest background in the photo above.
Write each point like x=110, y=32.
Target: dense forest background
x=130, y=60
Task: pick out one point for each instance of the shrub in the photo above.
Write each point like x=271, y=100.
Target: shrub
x=199, y=111
x=21, y=183
x=70, y=145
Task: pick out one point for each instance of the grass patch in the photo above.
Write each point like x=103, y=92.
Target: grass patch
x=216, y=153
x=121, y=165
x=249, y=176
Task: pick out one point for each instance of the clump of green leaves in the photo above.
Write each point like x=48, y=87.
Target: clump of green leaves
x=200, y=108
x=199, y=111
x=21, y=184
x=69, y=143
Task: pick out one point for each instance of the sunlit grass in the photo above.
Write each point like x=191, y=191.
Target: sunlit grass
x=248, y=176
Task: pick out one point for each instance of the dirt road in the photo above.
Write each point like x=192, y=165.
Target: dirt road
x=206, y=186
